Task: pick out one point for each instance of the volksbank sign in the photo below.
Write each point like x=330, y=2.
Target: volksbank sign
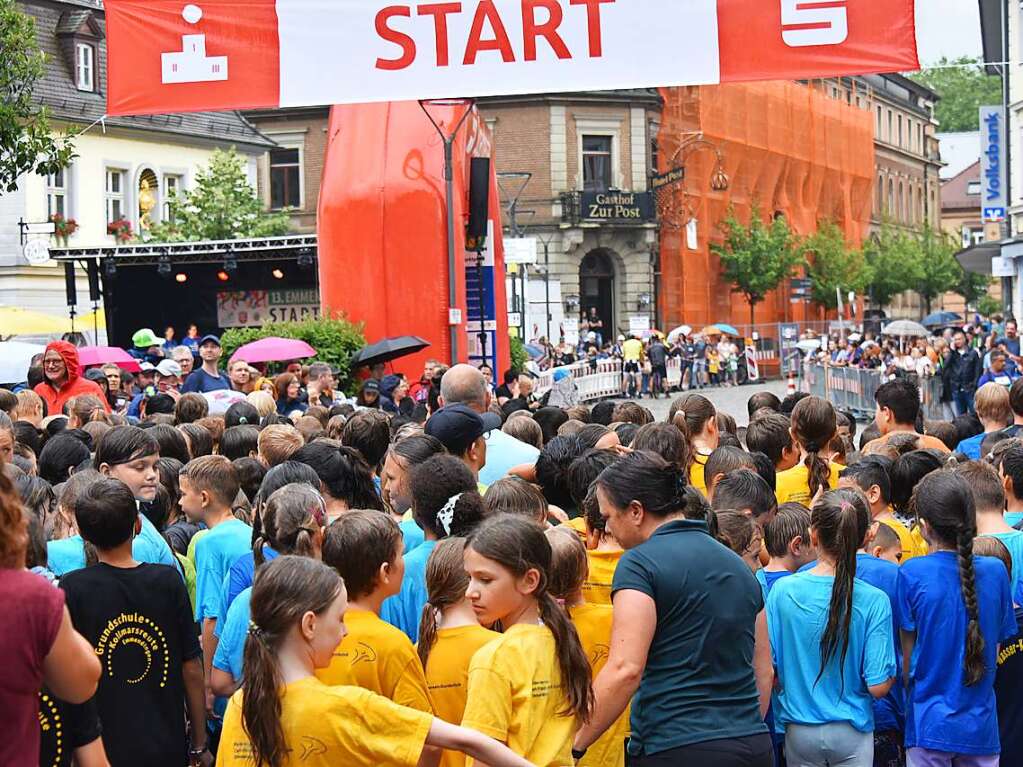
x=992, y=161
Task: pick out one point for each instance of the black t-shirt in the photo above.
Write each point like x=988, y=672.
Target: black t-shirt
x=140, y=622
x=658, y=355
x=63, y=728
x=1009, y=694
x=503, y=391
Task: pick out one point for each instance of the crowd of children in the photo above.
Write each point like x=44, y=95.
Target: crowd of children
x=652, y=594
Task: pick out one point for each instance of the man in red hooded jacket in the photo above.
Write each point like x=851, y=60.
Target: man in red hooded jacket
x=62, y=378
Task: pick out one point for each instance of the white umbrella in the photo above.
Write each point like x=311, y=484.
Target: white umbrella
x=809, y=345
x=15, y=357
x=905, y=329
x=681, y=330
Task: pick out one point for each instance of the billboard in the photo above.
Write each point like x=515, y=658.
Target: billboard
x=993, y=201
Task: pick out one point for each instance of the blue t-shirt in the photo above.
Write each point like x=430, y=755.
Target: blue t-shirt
x=767, y=579
x=698, y=683
x=797, y=614
x=1013, y=518
x=942, y=713
x=405, y=608
x=215, y=553
x=200, y=381
x=232, y=632
x=241, y=574
x=889, y=711
x=503, y=453
x=1014, y=543
x=68, y=554
x=1009, y=694
x=970, y=447
x=411, y=534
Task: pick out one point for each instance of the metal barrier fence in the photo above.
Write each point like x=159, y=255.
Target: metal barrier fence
x=853, y=389
x=605, y=381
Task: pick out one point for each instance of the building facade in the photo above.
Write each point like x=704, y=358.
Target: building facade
x=125, y=168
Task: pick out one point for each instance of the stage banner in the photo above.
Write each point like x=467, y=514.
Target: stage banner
x=175, y=56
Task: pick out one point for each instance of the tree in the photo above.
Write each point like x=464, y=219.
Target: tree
x=756, y=258
x=891, y=264
x=26, y=141
x=833, y=266
x=972, y=286
x=221, y=206
x=963, y=90
x=939, y=271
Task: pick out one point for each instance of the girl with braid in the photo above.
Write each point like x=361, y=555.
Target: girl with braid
x=832, y=641
x=814, y=424
x=953, y=610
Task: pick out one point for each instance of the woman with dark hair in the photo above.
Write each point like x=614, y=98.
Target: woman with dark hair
x=171, y=442
x=833, y=642
x=369, y=394
x=63, y=454
x=401, y=458
x=346, y=479
x=288, y=391
x=689, y=631
x=814, y=424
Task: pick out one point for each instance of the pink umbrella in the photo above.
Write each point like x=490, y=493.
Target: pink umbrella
x=273, y=349
x=101, y=355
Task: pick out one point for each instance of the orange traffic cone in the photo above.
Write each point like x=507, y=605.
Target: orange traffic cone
x=791, y=389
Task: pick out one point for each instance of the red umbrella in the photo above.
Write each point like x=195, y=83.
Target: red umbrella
x=101, y=355
x=274, y=349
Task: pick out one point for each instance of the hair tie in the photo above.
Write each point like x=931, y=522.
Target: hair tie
x=242, y=420
x=681, y=413
x=256, y=632
x=681, y=483
x=447, y=514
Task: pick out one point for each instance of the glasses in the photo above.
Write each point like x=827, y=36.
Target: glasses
x=53, y=363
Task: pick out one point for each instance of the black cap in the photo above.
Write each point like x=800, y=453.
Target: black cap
x=458, y=426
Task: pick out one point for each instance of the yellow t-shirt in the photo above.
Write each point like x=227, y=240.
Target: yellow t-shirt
x=793, y=485
x=597, y=586
x=378, y=657
x=593, y=622
x=578, y=524
x=632, y=350
x=516, y=696
x=330, y=726
x=447, y=670
x=912, y=545
x=696, y=478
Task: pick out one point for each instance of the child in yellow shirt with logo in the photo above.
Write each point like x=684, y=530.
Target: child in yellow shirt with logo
x=449, y=635
x=365, y=547
x=602, y=550
x=568, y=576
x=286, y=717
x=531, y=688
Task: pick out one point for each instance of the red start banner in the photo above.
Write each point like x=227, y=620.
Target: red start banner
x=176, y=56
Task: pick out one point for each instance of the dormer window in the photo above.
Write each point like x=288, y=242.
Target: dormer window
x=85, y=67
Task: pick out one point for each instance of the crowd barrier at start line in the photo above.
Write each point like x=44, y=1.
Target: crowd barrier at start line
x=603, y=381
x=853, y=389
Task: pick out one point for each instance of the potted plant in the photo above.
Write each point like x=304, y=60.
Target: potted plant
x=63, y=228
x=121, y=230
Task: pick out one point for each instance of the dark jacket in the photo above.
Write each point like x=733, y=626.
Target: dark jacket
x=963, y=370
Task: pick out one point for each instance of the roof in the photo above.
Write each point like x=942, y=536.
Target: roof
x=958, y=151
x=56, y=89
x=649, y=96
x=955, y=192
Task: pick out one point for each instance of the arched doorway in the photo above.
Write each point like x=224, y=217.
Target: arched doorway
x=597, y=289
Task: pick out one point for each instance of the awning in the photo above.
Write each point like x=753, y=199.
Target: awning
x=977, y=258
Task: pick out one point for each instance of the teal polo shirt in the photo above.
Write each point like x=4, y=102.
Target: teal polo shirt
x=698, y=684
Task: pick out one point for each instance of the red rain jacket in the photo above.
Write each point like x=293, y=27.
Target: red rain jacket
x=75, y=385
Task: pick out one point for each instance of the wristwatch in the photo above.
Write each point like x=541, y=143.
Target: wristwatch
x=195, y=754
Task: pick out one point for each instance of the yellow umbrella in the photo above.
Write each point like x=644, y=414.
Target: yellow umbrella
x=15, y=321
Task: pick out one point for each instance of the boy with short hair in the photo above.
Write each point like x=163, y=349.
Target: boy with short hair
x=365, y=547
x=787, y=540
x=989, y=498
x=872, y=477
x=208, y=487
x=885, y=545
x=771, y=436
x=139, y=619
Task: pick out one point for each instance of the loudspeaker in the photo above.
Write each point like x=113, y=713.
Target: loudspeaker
x=479, y=202
x=69, y=283
x=94, y=294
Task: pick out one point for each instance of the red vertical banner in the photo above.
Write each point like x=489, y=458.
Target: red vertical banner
x=803, y=39
x=213, y=54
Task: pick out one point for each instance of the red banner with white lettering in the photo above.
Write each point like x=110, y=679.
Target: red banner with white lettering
x=174, y=55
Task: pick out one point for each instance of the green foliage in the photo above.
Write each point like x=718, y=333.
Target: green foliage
x=963, y=91
x=988, y=305
x=939, y=272
x=755, y=259
x=832, y=265
x=221, y=206
x=26, y=142
x=892, y=264
x=972, y=286
x=519, y=355
x=335, y=339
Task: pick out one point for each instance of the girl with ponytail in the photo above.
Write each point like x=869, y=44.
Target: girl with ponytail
x=814, y=424
x=954, y=609
x=531, y=687
x=286, y=717
x=832, y=641
x=449, y=635
x=696, y=418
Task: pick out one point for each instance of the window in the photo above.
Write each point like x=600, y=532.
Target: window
x=879, y=204
x=973, y=189
x=85, y=56
x=891, y=197
x=171, y=187
x=900, y=130
x=920, y=138
x=901, y=209
x=285, y=181
x=56, y=193
x=879, y=122
x=596, y=163
x=891, y=133
x=115, y=194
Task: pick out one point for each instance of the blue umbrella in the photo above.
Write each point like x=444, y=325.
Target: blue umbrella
x=726, y=329
x=940, y=319
x=535, y=352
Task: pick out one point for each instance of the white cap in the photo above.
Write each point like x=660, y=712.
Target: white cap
x=169, y=368
x=147, y=367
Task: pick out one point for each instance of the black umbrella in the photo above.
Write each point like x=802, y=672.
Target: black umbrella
x=388, y=349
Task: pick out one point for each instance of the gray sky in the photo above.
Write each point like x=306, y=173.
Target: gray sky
x=947, y=28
